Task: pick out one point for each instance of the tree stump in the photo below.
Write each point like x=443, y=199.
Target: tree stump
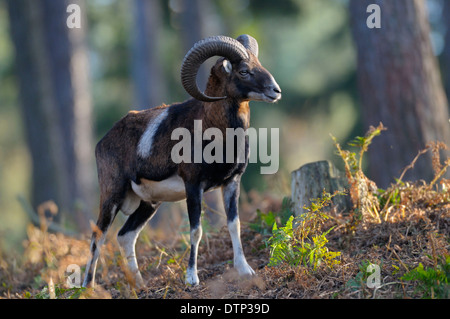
x=309, y=182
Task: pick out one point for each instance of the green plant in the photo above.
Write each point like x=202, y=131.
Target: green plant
x=433, y=281
x=264, y=222
x=283, y=247
x=58, y=293
x=286, y=210
x=301, y=240
x=391, y=197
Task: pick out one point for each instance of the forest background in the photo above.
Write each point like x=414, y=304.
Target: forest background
x=62, y=89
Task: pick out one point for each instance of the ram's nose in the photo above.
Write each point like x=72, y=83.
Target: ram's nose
x=274, y=92
x=276, y=88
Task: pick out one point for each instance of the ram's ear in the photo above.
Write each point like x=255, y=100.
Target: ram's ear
x=227, y=66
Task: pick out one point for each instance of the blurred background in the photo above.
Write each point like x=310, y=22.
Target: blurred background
x=62, y=89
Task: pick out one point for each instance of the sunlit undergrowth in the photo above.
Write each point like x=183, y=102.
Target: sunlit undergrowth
x=372, y=204
x=302, y=240
x=397, y=229
x=401, y=231
x=408, y=214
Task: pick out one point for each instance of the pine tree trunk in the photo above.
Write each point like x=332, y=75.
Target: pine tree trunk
x=446, y=53
x=400, y=85
x=52, y=71
x=148, y=76
x=199, y=19
x=193, y=29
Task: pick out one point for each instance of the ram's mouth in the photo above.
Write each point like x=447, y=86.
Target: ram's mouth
x=263, y=97
x=272, y=98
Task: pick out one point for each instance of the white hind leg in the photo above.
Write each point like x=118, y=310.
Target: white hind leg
x=128, y=235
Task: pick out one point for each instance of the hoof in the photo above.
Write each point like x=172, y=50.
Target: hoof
x=244, y=270
x=191, y=277
x=138, y=281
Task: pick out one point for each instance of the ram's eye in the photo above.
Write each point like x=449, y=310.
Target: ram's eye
x=244, y=72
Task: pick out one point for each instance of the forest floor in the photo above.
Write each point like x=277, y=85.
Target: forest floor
x=413, y=236
x=395, y=243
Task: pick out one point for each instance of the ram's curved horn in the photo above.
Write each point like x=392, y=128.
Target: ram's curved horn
x=249, y=43
x=226, y=47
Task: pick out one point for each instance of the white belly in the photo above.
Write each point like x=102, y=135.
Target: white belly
x=168, y=190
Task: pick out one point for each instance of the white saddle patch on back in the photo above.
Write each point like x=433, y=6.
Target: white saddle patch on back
x=144, y=148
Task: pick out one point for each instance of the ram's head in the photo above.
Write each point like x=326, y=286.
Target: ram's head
x=238, y=74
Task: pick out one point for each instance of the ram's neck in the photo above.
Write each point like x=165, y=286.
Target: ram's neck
x=227, y=113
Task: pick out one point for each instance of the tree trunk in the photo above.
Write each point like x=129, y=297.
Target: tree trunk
x=193, y=29
x=311, y=180
x=199, y=19
x=51, y=62
x=148, y=76
x=446, y=53
x=400, y=85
